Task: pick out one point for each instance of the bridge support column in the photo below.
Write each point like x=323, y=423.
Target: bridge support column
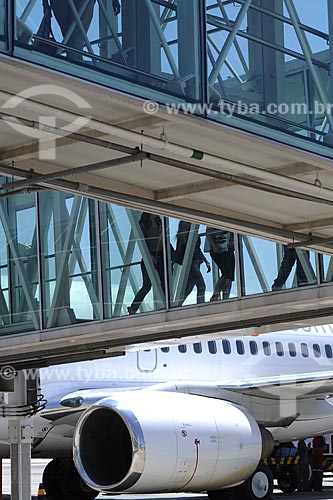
x=20, y=435
x=20, y=438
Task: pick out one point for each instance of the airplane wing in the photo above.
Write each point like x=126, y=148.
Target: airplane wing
x=305, y=385
x=273, y=401
x=259, y=395
x=301, y=386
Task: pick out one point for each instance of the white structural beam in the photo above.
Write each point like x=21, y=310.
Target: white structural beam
x=20, y=435
x=183, y=191
x=310, y=224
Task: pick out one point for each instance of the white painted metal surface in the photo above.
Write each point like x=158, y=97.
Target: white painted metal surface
x=179, y=442
x=196, y=194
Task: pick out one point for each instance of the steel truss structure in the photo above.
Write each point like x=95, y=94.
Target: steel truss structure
x=66, y=259
x=75, y=258
x=259, y=53
x=76, y=265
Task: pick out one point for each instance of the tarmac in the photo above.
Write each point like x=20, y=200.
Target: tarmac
x=38, y=466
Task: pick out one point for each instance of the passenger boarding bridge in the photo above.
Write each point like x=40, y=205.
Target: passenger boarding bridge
x=71, y=269
x=212, y=112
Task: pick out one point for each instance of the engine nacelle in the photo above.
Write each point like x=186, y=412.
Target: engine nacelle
x=143, y=442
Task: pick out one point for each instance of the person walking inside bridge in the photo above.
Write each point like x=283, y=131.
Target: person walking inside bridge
x=66, y=20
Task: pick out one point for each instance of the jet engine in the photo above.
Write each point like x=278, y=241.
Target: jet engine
x=145, y=441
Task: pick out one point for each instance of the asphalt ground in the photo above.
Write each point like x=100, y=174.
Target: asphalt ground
x=38, y=466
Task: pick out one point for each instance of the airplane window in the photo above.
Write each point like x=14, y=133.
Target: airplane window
x=240, y=346
x=305, y=350
x=253, y=347
x=182, y=348
x=328, y=349
x=316, y=350
x=165, y=349
x=212, y=346
x=197, y=348
x=292, y=349
x=279, y=348
x=226, y=346
x=267, y=348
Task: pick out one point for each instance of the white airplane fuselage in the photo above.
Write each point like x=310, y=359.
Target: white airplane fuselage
x=227, y=362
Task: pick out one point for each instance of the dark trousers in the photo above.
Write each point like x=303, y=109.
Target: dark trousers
x=146, y=283
x=289, y=259
x=64, y=17
x=303, y=475
x=225, y=261
x=317, y=480
x=195, y=279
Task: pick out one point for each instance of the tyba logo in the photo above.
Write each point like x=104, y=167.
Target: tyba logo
x=46, y=139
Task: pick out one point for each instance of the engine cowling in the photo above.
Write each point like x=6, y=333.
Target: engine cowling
x=143, y=442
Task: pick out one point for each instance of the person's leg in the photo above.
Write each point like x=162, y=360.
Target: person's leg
x=76, y=40
x=217, y=258
x=65, y=19
x=317, y=481
x=287, y=263
x=195, y=278
x=146, y=286
x=228, y=263
x=301, y=277
x=302, y=476
x=189, y=287
x=61, y=11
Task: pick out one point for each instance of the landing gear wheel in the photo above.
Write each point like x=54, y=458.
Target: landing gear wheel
x=61, y=480
x=287, y=481
x=259, y=486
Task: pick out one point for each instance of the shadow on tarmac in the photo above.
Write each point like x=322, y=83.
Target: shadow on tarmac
x=326, y=494
x=7, y=497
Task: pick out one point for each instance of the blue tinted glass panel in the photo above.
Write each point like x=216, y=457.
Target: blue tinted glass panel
x=133, y=272
x=326, y=268
x=268, y=266
x=129, y=45
x=196, y=274
x=190, y=281
x=3, y=22
x=261, y=82
x=68, y=259
x=19, y=265
x=182, y=348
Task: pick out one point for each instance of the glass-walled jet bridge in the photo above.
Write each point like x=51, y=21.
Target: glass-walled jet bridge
x=90, y=276
x=258, y=65
x=216, y=113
